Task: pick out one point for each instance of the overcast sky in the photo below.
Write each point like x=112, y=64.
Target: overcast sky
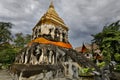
x=83, y=17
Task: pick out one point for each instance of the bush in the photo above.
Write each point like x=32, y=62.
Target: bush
x=117, y=67
x=101, y=65
x=85, y=71
x=117, y=57
x=7, y=54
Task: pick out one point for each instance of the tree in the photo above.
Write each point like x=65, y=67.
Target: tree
x=27, y=38
x=8, y=50
x=5, y=33
x=7, y=53
x=21, y=40
x=109, y=41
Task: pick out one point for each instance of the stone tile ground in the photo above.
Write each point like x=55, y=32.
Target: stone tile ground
x=4, y=75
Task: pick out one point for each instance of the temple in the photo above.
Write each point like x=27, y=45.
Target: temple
x=51, y=27
x=49, y=54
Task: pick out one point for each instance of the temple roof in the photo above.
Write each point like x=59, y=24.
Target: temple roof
x=52, y=17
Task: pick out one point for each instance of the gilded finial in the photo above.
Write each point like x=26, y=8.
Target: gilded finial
x=51, y=4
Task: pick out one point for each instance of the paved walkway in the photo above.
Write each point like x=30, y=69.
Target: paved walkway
x=4, y=75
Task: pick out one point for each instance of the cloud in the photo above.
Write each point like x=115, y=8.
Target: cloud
x=23, y=14
x=86, y=17
x=83, y=17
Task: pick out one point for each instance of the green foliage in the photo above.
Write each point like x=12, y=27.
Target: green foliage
x=101, y=65
x=117, y=57
x=21, y=40
x=7, y=50
x=4, y=66
x=109, y=41
x=117, y=67
x=85, y=71
x=27, y=38
x=7, y=54
x=5, y=33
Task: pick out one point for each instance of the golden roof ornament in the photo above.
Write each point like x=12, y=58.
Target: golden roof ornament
x=52, y=17
x=51, y=4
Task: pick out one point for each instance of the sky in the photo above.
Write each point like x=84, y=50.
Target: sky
x=83, y=17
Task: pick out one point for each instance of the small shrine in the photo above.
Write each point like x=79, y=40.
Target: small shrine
x=49, y=55
x=91, y=51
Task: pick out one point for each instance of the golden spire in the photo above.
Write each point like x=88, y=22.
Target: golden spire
x=52, y=17
x=51, y=4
